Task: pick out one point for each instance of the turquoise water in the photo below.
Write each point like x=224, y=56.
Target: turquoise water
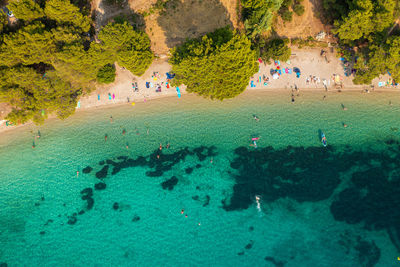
x=334, y=206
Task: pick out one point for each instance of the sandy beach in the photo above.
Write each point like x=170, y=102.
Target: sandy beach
x=309, y=61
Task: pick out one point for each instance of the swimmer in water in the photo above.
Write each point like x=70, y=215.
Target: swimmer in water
x=182, y=211
x=127, y=146
x=38, y=134
x=256, y=118
x=345, y=125
x=160, y=146
x=105, y=138
x=77, y=173
x=258, y=203
x=123, y=132
x=167, y=146
x=211, y=160
x=111, y=119
x=33, y=145
x=158, y=156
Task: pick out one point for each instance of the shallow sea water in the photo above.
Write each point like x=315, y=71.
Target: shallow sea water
x=334, y=206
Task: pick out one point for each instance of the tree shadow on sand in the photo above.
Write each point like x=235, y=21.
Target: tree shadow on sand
x=187, y=19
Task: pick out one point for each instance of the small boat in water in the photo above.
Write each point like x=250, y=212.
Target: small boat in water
x=323, y=139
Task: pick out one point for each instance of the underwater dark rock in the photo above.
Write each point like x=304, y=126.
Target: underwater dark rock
x=368, y=253
x=295, y=172
x=100, y=186
x=275, y=262
x=115, y=206
x=207, y=201
x=81, y=212
x=373, y=197
x=72, y=220
x=170, y=183
x=198, y=166
x=3, y=264
x=102, y=173
x=102, y=162
x=87, y=192
x=37, y=204
x=189, y=170
x=42, y=198
x=251, y=229
x=90, y=203
x=42, y=232
x=195, y=197
x=48, y=221
x=135, y=218
x=249, y=245
x=241, y=253
x=88, y=169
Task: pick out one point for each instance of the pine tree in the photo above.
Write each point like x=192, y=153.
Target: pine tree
x=215, y=71
x=26, y=9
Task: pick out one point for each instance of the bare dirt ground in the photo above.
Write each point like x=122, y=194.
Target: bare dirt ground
x=303, y=26
x=180, y=20
x=188, y=19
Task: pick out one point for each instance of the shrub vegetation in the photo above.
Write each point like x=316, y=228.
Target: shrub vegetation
x=106, y=74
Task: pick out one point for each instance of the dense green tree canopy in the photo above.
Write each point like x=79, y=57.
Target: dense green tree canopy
x=3, y=22
x=258, y=15
x=26, y=9
x=64, y=12
x=29, y=45
x=218, y=66
x=106, y=74
x=380, y=60
x=131, y=48
x=365, y=24
x=47, y=60
x=276, y=49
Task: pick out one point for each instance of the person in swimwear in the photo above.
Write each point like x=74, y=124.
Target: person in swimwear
x=160, y=146
x=105, y=138
x=167, y=146
x=256, y=118
x=77, y=173
x=123, y=132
